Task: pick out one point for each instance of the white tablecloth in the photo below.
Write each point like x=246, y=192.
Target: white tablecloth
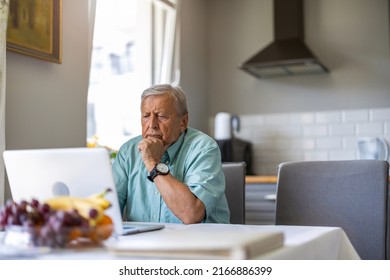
x=300, y=243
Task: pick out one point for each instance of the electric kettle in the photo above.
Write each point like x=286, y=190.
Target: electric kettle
x=226, y=125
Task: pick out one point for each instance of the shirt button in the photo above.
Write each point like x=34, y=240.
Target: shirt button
x=156, y=192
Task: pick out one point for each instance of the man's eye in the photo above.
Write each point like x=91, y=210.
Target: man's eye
x=162, y=118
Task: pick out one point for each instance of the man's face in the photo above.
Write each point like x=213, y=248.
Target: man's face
x=159, y=119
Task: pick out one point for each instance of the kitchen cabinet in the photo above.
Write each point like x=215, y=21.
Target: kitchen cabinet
x=260, y=200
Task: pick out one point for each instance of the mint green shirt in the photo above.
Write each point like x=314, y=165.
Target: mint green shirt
x=194, y=159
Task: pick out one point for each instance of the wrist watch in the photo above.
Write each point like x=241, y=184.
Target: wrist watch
x=160, y=169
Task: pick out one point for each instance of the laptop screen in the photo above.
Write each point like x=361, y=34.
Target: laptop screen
x=45, y=173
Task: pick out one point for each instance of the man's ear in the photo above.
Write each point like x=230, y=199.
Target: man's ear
x=184, y=123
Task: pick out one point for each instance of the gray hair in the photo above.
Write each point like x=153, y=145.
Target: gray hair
x=176, y=92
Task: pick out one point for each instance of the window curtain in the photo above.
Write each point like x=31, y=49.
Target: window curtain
x=166, y=30
x=3, y=45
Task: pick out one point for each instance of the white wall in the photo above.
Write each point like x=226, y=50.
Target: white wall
x=46, y=102
x=282, y=116
x=194, y=60
x=217, y=35
x=351, y=37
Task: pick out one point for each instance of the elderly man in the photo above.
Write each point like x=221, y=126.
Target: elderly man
x=171, y=173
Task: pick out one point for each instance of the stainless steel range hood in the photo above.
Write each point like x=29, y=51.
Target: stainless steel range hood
x=287, y=55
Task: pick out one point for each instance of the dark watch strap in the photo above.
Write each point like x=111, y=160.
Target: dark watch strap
x=152, y=174
x=160, y=169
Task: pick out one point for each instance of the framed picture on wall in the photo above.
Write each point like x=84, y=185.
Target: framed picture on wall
x=35, y=28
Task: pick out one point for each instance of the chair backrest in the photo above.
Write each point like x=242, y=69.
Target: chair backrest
x=235, y=190
x=351, y=194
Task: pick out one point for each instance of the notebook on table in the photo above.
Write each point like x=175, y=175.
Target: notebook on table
x=199, y=244
x=80, y=172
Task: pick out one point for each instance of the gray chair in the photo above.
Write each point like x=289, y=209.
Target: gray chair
x=351, y=194
x=235, y=190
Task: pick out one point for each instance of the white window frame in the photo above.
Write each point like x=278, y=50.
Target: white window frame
x=156, y=59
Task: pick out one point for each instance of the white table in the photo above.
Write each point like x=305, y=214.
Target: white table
x=300, y=243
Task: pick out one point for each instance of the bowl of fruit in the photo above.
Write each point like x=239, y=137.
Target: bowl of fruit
x=58, y=222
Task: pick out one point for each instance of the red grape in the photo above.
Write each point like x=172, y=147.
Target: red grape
x=47, y=227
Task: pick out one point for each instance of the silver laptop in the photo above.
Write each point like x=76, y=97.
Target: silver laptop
x=80, y=172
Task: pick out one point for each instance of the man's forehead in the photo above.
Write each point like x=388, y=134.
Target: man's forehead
x=158, y=104
x=158, y=98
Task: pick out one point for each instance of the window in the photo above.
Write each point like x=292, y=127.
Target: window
x=135, y=45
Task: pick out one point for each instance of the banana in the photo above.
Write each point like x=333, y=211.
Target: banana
x=100, y=199
x=83, y=205
x=92, y=208
x=61, y=203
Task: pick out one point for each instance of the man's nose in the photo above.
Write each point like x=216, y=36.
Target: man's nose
x=153, y=122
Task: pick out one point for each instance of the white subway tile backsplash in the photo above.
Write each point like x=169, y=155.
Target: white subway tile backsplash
x=329, y=135
x=291, y=155
x=276, y=119
x=303, y=144
x=277, y=143
x=315, y=130
x=266, y=169
x=328, y=143
x=301, y=118
x=369, y=129
x=268, y=157
x=355, y=115
x=256, y=134
x=289, y=131
x=343, y=155
x=342, y=130
x=315, y=156
x=382, y=114
x=387, y=128
x=277, y=156
x=251, y=120
x=350, y=143
x=328, y=117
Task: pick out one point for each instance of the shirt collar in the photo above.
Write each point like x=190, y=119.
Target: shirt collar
x=172, y=151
